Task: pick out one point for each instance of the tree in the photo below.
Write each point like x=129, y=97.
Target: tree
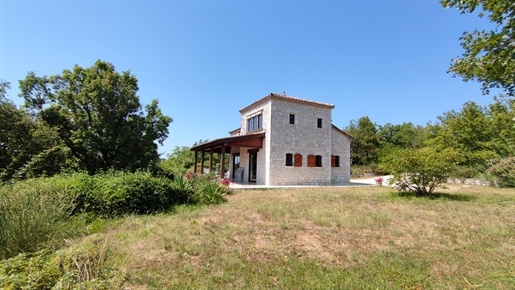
x=28, y=147
x=366, y=142
x=98, y=116
x=419, y=170
x=489, y=56
x=405, y=135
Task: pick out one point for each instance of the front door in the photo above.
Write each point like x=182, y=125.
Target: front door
x=252, y=166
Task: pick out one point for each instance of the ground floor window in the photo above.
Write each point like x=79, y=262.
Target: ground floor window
x=318, y=161
x=335, y=161
x=289, y=159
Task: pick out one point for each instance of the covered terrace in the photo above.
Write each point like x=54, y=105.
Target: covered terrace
x=223, y=146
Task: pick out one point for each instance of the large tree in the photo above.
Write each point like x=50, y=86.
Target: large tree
x=365, y=145
x=98, y=116
x=489, y=56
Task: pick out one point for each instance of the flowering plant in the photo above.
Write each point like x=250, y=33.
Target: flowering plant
x=379, y=180
x=226, y=181
x=188, y=176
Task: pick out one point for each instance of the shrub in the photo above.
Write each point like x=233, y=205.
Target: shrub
x=120, y=193
x=33, y=216
x=503, y=169
x=419, y=170
x=81, y=266
x=208, y=189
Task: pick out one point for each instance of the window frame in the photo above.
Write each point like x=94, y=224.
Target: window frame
x=289, y=159
x=319, y=122
x=318, y=161
x=292, y=119
x=255, y=122
x=335, y=161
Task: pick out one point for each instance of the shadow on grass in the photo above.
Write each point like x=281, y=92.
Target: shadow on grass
x=435, y=196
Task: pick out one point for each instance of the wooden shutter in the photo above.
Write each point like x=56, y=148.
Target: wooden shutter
x=312, y=161
x=333, y=161
x=298, y=160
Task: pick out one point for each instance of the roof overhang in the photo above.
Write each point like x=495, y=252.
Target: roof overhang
x=249, y=140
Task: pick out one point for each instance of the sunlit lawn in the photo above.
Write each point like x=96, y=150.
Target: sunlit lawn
x=325, y=238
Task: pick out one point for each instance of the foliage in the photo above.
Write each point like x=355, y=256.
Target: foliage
x=361, y=170
x=121, y=193
x=489, y=56
x=179, y=162
x=81, y=266
x=98, y=116
x=419, y=170
x=366, y=142
x=28, y=147
x=476, y=132
x=33, y=215
x=405, y=135
x=503, y=169
x=208, y=189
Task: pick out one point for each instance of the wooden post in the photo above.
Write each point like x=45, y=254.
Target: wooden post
x=222, y=161
x=211, y=160
x=202, y=163
x=195, y=167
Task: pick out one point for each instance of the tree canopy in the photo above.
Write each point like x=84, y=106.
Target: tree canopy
x=489, y=56
x=98, y=116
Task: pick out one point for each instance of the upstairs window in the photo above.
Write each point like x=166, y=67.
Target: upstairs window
x=335, y=161
x=319, y=123
x=289, y=159
x=318, y=161
x=298, y=160
x=292, y=118
x=255, y=123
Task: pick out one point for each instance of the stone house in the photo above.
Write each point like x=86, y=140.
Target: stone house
x=283, y=140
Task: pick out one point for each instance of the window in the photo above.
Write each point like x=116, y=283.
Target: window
x=255, y=123
x=298, y=160
x=311, y=161
x=318, y=161
x=335, y=161
x=292, y=118
x=319, y=123
x=289, y=159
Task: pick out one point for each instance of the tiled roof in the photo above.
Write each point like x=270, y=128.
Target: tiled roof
x=286, y=98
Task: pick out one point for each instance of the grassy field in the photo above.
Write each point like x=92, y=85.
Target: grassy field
x=323, y=238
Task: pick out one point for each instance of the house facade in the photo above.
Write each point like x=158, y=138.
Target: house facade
x=284, y=140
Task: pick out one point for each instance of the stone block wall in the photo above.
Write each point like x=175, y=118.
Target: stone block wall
x=303, y=137
x=340, y=146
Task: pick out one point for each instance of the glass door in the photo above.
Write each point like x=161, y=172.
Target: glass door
x=252, y=166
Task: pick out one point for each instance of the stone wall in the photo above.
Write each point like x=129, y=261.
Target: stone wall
x=303, y=138
x=262, y=161
x=340, y=146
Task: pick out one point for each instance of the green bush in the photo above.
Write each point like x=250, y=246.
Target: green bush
x=419, y=170
x=503, y=169
x=208, y=189
x=120, y=193
x=81, y=266
x=33, y=216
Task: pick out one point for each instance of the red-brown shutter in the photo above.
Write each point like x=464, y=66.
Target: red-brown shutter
x=333, y=161
x=312, y=161
x=298, y=160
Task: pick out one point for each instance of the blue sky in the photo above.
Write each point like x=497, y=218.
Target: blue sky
x=205, y=60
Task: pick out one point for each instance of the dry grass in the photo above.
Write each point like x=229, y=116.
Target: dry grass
x=320, y=238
